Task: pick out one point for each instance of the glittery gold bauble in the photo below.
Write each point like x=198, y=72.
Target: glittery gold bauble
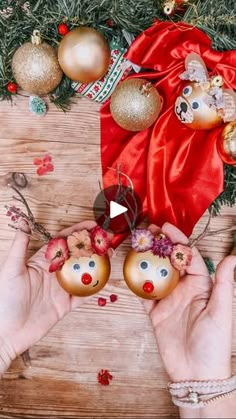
x=191, y=108
x=84, y=55
x=84, y=276
x=35, y=66
x=135, y=104
x=226, y=145
x=149, y=276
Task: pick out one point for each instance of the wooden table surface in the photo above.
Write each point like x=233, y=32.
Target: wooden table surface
x=61, y=382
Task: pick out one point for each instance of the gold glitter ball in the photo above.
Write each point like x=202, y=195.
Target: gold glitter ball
x=35, y=67
x=135, y=104
x=229, y=140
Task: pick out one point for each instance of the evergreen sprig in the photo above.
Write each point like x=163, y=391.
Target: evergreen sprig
x=19, y=18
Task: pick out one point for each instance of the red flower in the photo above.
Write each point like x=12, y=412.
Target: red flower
x=45, y=165
x=57, y=252
x=113, y=298
x=96, y=88
x=13, y=213
x=99, y=241
x=89, y=95
x=102, y=301
x=104, y=377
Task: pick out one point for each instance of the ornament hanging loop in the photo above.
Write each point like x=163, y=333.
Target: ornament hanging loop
x=36, y=38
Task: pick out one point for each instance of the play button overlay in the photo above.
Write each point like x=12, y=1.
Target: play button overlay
x=117, y=209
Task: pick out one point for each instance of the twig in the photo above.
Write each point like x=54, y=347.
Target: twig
x=203, y=234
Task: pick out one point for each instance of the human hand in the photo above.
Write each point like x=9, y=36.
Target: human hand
x=193, y=325
x=31, y=300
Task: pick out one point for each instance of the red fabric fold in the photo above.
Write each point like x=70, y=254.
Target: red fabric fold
x=176, y=171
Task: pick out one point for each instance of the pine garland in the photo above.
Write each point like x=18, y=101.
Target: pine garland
x=19, y=18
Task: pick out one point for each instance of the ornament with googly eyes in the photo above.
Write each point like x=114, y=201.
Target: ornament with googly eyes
x=152, y=267
x=84, y=276
x=203, y=103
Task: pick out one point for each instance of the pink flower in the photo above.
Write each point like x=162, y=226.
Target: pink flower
x=162, y=247
x=181, y=256
x=57, y=252
x=142, y=240
x=13, y=213
x=79, y=244
x=99, y=240
x=96, y=88
x=45, y=165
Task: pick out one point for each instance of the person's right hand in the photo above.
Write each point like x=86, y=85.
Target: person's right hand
x=31, y=299
x=193, y=325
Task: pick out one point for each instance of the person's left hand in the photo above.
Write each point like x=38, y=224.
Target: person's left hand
x=31, y=299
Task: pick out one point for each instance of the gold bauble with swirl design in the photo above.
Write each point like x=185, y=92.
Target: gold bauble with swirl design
x=84, y=55
x=135, y=104
x=35, y=66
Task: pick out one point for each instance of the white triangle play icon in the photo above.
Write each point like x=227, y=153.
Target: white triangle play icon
x=116, y=209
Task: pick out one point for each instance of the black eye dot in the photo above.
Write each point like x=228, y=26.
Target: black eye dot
x=91, y=264
x=144, y=265
x=76, y=267
x=163, y=272
x=195, y=105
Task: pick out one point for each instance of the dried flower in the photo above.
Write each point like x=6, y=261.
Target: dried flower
x=99, y=240
x=102, y=301
x=113, y=298
x=45, y=165
x=57, y=252
x=79, y=244
x=142, y=240
x=104, y=377
x=181, y=256
x=162, y=247
x=13, y=213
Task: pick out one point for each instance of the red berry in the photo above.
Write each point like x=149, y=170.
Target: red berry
x=113, y=298
x=63, y=29
x=12, y=87
x=102, y=301
x=148, y=287
x=86, y=279
x=110, y=23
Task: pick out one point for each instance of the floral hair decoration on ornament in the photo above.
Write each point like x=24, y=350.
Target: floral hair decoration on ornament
x=204, y=103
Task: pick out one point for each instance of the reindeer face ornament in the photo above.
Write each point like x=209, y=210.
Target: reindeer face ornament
x=203, y=103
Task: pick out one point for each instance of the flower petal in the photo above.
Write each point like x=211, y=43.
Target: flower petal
x=38, y=162
x=57, y=246
x=56, y=265
x=47, y=159
x=102, y=301
x=41, y=171
x=49, y=167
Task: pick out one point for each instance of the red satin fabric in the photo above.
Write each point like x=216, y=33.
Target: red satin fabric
x=176, y=171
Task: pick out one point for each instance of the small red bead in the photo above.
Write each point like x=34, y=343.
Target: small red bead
x=12, y=87
x=113, y=298
x=148, y=287
x=86, y=279
x=110, y=23
x=102, y=301
x=63, y=29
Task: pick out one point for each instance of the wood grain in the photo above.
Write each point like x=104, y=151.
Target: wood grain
x=61, y=382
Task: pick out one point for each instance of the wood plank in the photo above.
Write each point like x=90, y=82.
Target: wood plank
x=61, y=382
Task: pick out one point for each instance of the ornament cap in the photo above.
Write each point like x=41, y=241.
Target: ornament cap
x=36, y=37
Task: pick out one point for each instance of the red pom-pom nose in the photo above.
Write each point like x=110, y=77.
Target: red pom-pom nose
x=148, y=287
x=86, y=279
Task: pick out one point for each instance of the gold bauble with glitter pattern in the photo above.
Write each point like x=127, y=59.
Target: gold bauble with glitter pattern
x=35, y=66
x=135, y=104
x=226, y=144
x=84, y=55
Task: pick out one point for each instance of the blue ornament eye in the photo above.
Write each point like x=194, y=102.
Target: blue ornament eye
x=195, y=105
x=91, y=264
x=144, y=265
x=187, y=91
x=162, y=272
x=76, y=267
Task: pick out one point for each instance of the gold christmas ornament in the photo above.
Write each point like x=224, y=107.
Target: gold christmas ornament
x=84, y=55
x=35, y=66
x=84, y=276
x=149, y=276
x=227, y=144
x=135, y=104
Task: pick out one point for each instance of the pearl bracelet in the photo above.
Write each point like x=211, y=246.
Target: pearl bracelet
x=197, y=394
